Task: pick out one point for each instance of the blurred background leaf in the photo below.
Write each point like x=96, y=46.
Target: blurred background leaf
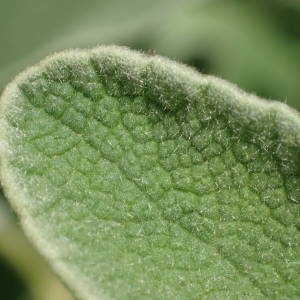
x=255, y=44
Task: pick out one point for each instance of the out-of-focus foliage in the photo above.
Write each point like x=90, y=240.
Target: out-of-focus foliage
x=255, y=44
x=11, y=285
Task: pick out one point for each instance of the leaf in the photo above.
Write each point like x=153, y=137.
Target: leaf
x=139, y=178
x=23, y=273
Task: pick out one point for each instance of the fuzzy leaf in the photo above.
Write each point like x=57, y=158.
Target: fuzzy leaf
x=139, y=178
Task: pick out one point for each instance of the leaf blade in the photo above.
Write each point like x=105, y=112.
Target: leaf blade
x=116, y=161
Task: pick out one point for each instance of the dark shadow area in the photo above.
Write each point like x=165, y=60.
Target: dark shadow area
x=11, y=285
x=201, y=63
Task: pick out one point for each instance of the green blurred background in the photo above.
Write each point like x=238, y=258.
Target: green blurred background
x=255, y=44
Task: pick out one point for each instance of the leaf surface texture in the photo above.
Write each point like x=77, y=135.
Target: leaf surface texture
x=139, y=178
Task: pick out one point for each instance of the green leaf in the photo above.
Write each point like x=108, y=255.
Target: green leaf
x=24, y=275
x=139, y=178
